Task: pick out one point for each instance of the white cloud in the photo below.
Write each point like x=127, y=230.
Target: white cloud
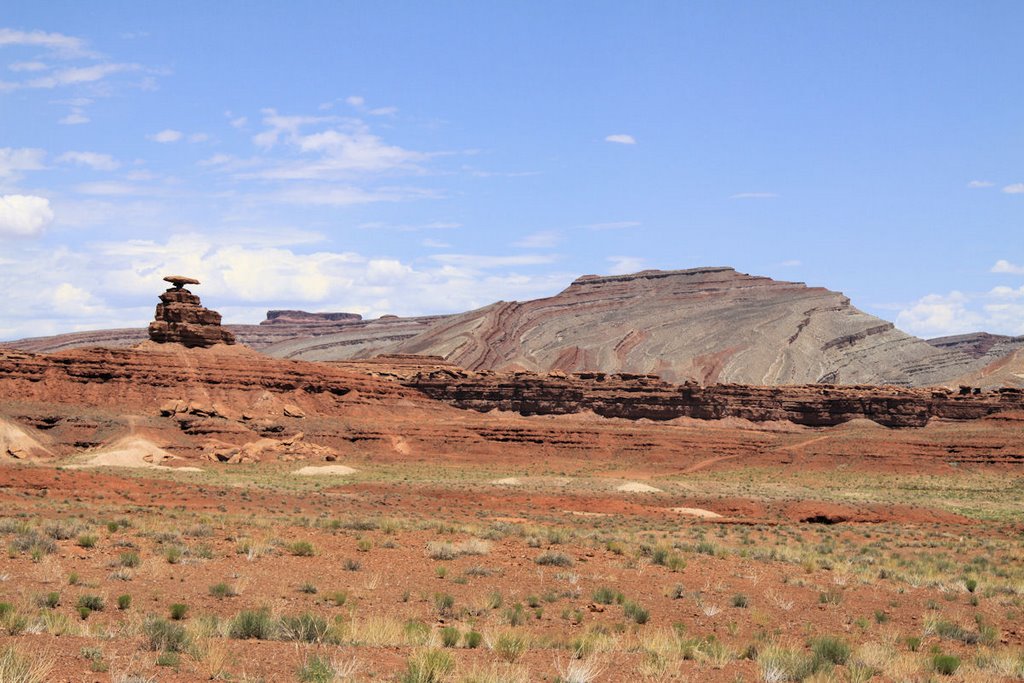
x=383, y=111
x=435, y=244
x=791, y=263
x=94, y=160
x=621, y=138
x=167, y=135
x=58, y=43
x=284, y=126
x=754, y=195
x=355, y=101
x=14, y=161
x=625, y=264
x=976, y=184
x=239, y=122
x=1004, y=266
x=76, y=117
x=539, y=240
x=1016, y=188
x=408, y=227
x=28, y=66
x=78, y=75
x=24, y=215
x=198, y=137
x=999, y=311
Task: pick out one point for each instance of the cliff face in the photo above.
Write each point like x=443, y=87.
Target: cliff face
x=646, y=397
x=706, y=325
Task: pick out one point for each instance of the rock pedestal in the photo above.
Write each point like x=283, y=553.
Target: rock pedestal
x=181, y=319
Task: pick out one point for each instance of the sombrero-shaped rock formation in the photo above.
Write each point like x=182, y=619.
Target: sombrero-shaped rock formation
x=181, y=318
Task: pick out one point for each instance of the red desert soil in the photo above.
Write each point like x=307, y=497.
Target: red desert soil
x=859, y=531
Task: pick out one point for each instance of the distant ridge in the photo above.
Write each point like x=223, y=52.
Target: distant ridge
x=710, y=324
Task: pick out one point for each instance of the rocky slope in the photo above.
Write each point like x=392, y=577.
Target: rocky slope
x=300, y=336
x=705, y=324
x=646, y=397
x=983, y=346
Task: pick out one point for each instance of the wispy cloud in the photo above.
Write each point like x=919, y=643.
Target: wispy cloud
x=977, y=184
x=166, y=135
x=14, y=161
x=75, y=117
x=546, y=239
x=1004, y=266
x=613, y=225
x=94, y=160
x=64, y=46
x=791, y=263
x=334, y=195
x=406, y=227
x=1015, y=188
x=621, y=138
x=754, y=195
x=620, y=265
x=483, y=262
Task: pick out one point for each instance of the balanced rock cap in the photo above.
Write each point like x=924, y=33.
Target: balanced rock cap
x=180, y=281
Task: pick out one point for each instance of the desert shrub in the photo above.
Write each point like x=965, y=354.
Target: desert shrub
x=306, y=628
x=316, y=669
x=87, y=541
x=129, y=559
x=301, y=549
x=163, y=635
x=124, y=601
x=416, y=632
x=173, y=554
x=443, y=603
x=954, y=631
x=440, y=550
x=740, y=600
x=554, y=559
x=353, y=565
x=93, y=603
x=634, y=611
x=178, y=611
x=252, y=625
x=514, y=615
x=829, y=650
x=62, y=530
x=472, y=639
x=33, y=543
x=308, y=589
x=171, y=659
x=606, y=596
x=19, y=668
x=510, y=646
x=339, y=598
x=222, y=590
x=946, y=665
x=778, y=664
x=50, y=600
x=364, y=545
x=450, y=636
x=428, y=666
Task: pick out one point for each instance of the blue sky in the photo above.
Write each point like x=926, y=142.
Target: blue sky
x=411, y=157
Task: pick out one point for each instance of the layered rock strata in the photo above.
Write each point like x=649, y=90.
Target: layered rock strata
x=647, y=397
x=182, y=319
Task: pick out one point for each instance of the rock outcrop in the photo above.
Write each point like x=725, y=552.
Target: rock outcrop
x=637, y=397
x=182, y=319
x=287, y=317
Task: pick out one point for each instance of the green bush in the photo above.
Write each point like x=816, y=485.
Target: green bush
x=129, y=559
x=635, y=612
x=305, y=628
x=472, y=639
x=510, y=646
x=606, y=596
x=740, y=600
x=301, y=549
x=93, y=603
x=946, y=665
x=252, y=625
x=124, y=602
x=428, y=666
x=554, y=559
x=316, y=669
x=178, y=611
x=87, y=541
x=450, y=636
x=164, y=635
x=222, y=590
x=829, y=650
